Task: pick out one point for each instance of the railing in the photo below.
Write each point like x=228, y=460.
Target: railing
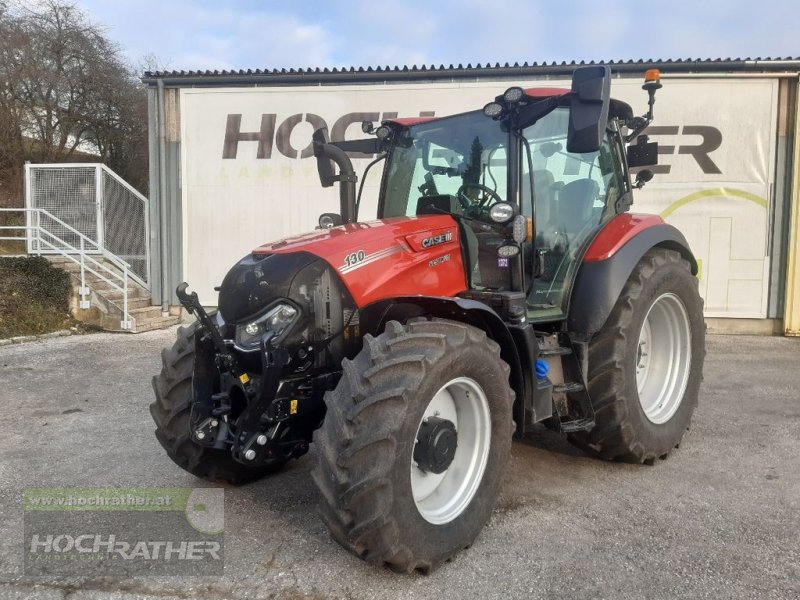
x=41, y=240
x=95, y=202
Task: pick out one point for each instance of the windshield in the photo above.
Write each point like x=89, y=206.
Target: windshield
x=463, y=156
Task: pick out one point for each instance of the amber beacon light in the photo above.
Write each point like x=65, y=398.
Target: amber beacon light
x=652, y=79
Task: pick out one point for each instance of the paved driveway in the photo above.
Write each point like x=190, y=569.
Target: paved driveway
x=719, y=519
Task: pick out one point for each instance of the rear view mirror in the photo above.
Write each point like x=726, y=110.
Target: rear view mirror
x=324, y=164
x=440, y=160
x=589, y=103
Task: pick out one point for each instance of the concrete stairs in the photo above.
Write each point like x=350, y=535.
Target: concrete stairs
x=106, y=302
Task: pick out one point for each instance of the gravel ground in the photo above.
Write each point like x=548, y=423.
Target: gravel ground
x=720, y=518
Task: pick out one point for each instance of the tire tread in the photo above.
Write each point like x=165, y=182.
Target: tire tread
x=353, y=467
x=614, y=436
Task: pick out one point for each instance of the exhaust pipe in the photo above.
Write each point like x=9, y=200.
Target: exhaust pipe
x=327, y=154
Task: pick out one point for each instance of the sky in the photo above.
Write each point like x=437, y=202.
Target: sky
x=250, y=34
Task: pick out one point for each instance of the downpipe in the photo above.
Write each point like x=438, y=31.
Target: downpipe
x=347, y=182
x=162, y=198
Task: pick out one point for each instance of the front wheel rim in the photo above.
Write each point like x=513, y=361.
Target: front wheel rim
x=663, y=358
x=441, y=498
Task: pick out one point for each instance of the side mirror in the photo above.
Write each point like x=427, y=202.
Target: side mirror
x=642, y=177
x=324, y=164
x=589, y=104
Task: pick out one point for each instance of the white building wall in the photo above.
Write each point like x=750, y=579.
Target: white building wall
x=717, y=139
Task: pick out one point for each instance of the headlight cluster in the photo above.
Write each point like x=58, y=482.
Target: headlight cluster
x=277, y=319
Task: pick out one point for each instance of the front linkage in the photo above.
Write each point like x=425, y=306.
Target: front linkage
x=231, y=408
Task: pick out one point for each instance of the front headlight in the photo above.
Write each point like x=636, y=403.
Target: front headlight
x=277, y=319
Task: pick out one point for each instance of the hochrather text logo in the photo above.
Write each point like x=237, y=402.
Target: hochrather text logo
x=111, y=531
x=274, y=133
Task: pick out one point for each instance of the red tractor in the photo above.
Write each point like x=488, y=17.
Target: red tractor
x=503, y=284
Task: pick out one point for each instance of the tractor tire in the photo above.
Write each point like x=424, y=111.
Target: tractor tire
x=170, y=411
x=646, y=364
x=368, y=444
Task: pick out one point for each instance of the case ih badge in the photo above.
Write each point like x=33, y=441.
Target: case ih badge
x=555, y=305
x=435, y=240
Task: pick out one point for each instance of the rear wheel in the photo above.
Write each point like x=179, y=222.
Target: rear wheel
x=170, y=411
x=414, y=444
x=645, y=365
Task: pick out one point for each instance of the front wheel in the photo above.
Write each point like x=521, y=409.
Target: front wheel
x=414, y=444
x=646, y=364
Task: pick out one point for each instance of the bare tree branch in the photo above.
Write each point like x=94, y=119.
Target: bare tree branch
x=66, y=94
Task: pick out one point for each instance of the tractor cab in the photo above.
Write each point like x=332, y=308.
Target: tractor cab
x=460, y=165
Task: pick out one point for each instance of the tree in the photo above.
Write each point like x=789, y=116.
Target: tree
x=66, y=94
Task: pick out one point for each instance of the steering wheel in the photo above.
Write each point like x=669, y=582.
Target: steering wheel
x=489, y=194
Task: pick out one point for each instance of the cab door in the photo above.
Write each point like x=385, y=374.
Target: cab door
x=568, y=196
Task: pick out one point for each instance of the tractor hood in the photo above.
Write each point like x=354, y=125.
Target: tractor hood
x=400, y=256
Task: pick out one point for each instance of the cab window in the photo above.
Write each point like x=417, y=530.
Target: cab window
x=573, y=194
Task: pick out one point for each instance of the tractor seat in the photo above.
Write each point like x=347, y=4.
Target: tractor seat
x=561, y=235
x=573, y=210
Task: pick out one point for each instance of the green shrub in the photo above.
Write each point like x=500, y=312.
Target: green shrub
x=34, y=297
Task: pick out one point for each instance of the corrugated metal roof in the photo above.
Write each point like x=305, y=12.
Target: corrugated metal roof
x=456, y=71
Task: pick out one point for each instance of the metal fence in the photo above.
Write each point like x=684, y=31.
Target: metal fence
x=80, y=249
x=97, y=203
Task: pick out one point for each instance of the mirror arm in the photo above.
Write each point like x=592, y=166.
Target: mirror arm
x=530, y=113
x=638, y=125
x=365, y=146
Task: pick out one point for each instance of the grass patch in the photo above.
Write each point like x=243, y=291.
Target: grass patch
x=34, y=297
x=12, y=220
x=9, y=247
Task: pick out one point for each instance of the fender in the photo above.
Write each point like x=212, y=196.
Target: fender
x=514, y=341
x=609, y=261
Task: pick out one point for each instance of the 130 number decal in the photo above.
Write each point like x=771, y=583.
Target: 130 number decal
x=354, y=258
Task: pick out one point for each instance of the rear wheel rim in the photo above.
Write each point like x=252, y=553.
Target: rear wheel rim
x=663, y=358
x=441, y=498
